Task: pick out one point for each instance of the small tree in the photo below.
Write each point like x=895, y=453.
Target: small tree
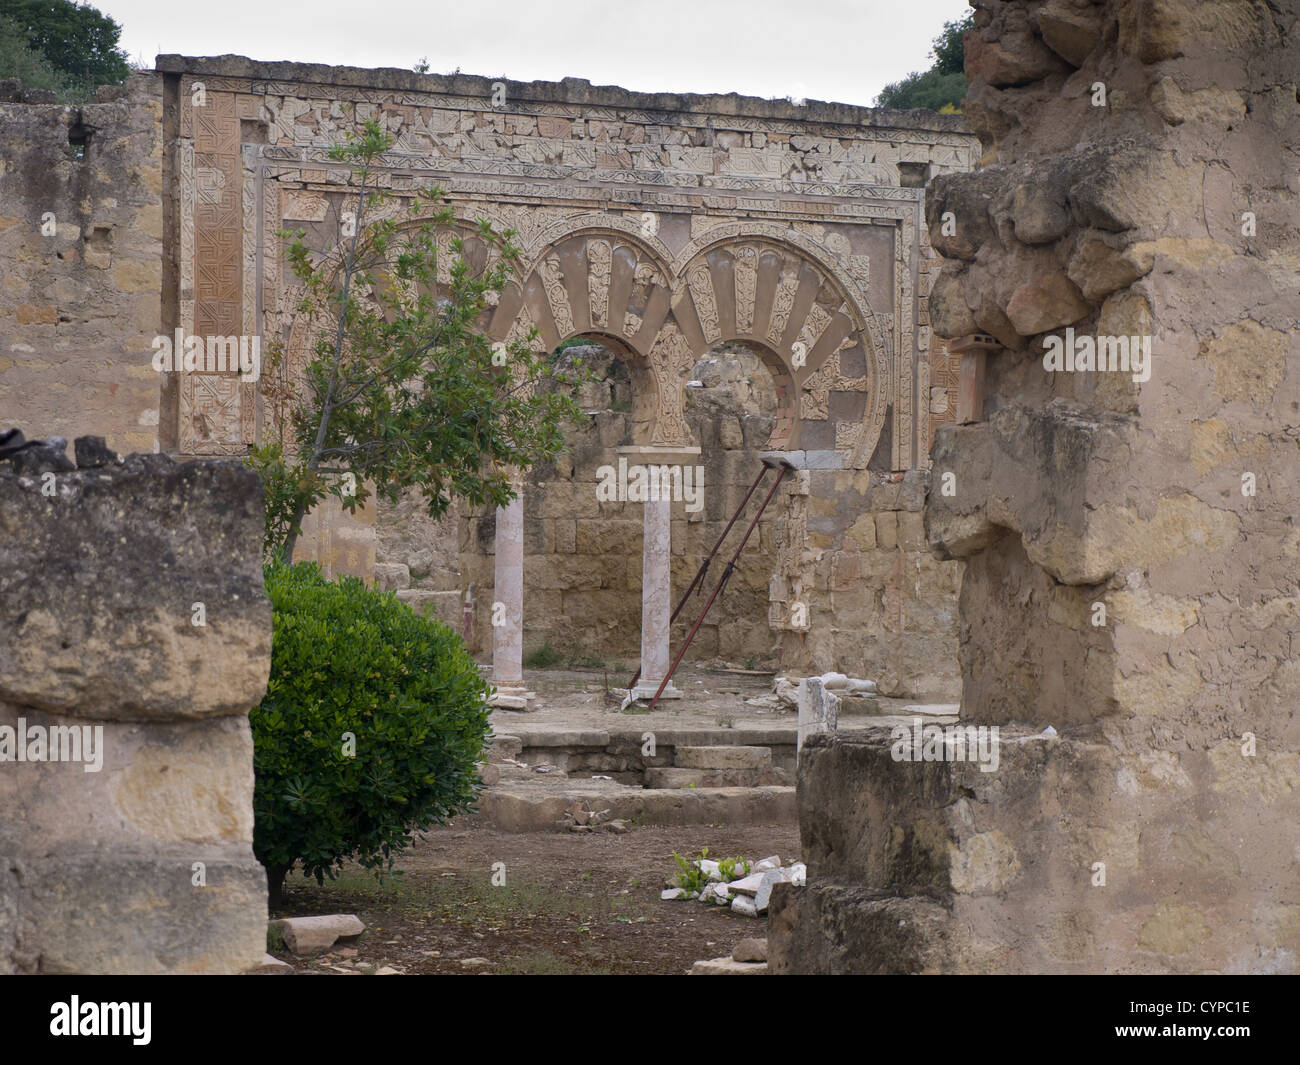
x=943, y=86
x=78, y=41
x=404, y=389
x=371, y=727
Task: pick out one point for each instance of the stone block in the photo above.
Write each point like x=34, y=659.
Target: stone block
x=305, y=936
x=392, y=576
x=128, y=648
x=98, y=913
x=723, y=757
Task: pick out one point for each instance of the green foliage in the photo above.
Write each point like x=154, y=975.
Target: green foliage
x=943, y=86
x=78, y=42
x=949, y=51
x=690, y=876
x=544, y=657
x=18, y=59
x=403, y=388
x=347, y=659
x=727, y=868
x=930, y=90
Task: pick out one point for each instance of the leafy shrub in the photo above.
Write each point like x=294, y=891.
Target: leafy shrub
x=544, y=657
x=347, y=659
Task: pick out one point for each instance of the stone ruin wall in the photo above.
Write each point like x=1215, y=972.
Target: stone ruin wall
x=169, y=220
x=137, y=858
x=1169, y=211
x=82, y=239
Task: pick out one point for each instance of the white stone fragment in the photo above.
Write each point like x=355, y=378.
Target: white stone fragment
x=747, y=886
x=764, y=893
x=311, y=935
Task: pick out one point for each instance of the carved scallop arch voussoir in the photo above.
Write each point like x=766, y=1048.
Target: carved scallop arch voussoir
x=603, y=235
x=691, y=275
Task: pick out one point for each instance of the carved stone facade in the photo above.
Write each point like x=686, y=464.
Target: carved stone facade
x=661, y=223
x=662, y=226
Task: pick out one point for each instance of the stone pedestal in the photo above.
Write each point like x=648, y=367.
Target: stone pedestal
x=126, y=758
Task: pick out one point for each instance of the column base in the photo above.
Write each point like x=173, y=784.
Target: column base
x=647, y=692
x=513, y=697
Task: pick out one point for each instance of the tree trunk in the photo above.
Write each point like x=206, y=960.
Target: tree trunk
x=275, y=885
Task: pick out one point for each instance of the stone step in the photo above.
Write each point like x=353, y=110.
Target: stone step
x=539, y=806
x=504, y=746
x=717, y=757
x=675, y=777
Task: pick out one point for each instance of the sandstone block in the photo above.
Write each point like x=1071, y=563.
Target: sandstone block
x=129, y=648
x=723, y=757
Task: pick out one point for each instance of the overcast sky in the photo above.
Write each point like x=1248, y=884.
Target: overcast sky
x=839, y=50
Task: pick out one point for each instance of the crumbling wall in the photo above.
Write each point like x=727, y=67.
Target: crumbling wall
x=134, y=637
x=837, y=575
x=81, y=239
x=1131, y=556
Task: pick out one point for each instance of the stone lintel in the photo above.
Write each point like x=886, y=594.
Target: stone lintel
x=658, y=454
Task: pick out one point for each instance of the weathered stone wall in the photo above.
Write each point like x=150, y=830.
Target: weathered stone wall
x=878, y=603
x=1158, y=831
x=142, y=863
x=662, y=225
x=81, y=239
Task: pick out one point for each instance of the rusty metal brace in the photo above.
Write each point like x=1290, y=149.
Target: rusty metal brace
x=782, y=467
x=698, y=583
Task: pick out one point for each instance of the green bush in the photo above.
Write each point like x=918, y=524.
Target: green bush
x=347, y=659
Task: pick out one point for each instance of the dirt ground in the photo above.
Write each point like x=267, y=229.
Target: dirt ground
x=571, y=903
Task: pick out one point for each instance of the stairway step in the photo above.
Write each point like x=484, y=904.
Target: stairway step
x=535, y=806
x=723, y=757
x=675, y=777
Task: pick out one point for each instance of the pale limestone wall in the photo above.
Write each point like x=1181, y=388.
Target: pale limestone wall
x=134, y=854
x=80, y=307
x=1157, y=832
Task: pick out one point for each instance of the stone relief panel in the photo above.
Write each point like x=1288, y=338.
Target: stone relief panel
x=217, y=412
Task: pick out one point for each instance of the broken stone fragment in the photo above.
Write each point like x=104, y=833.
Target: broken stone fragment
x=746, y=886
x=271, y=965
x=750, y=950
x=92, y=452
x=313, y=935
x=728, y=967
x=744, y=906
x=769, y=880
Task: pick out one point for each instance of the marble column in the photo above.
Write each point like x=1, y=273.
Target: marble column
x=656, y=568
x=508, y=608
x=656, y=598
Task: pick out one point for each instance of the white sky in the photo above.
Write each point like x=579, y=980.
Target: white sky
x=839, y=50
